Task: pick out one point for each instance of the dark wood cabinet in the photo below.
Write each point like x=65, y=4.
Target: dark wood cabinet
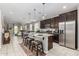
x=54, y=22
x=62, y=18
x=50, y=42
x=69, y=16
x=42, y=24
x=45, y=23
x=50, y=23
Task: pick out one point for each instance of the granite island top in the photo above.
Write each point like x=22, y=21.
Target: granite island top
x=43, y=34
x=40, y=35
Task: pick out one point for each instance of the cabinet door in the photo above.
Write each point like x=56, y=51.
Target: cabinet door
x=47, y=23
x=62, y=18
x=42, y=24
x=71, y=16
x=52, y=23
x=56, y=21
x=50, y=42
x=75, y=15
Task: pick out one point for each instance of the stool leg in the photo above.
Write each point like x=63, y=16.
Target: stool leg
x=29, y=44
x=26, y=41
x=32, y=47
x=37, y=51
x=42, y=47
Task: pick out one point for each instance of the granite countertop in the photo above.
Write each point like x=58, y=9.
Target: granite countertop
x=40, y=34
x=43, y=34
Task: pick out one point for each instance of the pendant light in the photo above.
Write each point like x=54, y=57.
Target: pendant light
x=43, y=16
x=34, y=14
x=29, y=15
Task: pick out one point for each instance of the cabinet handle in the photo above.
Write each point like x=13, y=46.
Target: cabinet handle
x=43, y=38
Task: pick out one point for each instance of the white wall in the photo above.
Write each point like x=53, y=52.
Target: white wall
x=78, y=25
x=36, y=26
x=31, y=27
x=25, y=27
x=0, y=29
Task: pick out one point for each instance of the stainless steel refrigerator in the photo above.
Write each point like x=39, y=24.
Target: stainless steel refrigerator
x=62, y=33
x=67, y=35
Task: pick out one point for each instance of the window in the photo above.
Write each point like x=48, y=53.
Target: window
x=15, y=29
x=36, y=26
x=30, y=27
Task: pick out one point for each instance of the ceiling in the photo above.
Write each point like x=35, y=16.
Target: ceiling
x=19, y=12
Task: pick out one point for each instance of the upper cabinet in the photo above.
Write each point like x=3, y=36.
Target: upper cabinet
x=45, y=23
x=54, y=22
x=69, y=16
x=50, y=23
x=62, y=18
x=42, y=24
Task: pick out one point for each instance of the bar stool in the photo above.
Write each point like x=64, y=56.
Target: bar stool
x=38, y=46
x=25, y=37
x=26, y=41
x=30, y=42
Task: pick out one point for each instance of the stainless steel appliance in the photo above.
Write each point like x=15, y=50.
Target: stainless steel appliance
x=62, y=33
x=67, y=34
x=70, y=34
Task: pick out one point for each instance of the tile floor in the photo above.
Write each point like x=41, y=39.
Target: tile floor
x=12, y=49
x=62, y=51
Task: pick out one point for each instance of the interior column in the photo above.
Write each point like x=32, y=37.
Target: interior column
x=0, y=30
x=78, y=25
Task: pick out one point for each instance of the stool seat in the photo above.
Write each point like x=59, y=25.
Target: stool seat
x=36, y=42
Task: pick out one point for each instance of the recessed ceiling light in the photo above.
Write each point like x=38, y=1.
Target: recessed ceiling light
x=43, y=17
x=64, y=7
x=32, y=20
x=11, y=12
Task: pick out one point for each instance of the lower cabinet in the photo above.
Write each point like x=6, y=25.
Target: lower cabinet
x=50, y=42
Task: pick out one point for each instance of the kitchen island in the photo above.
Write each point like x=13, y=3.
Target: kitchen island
x=47, y=40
